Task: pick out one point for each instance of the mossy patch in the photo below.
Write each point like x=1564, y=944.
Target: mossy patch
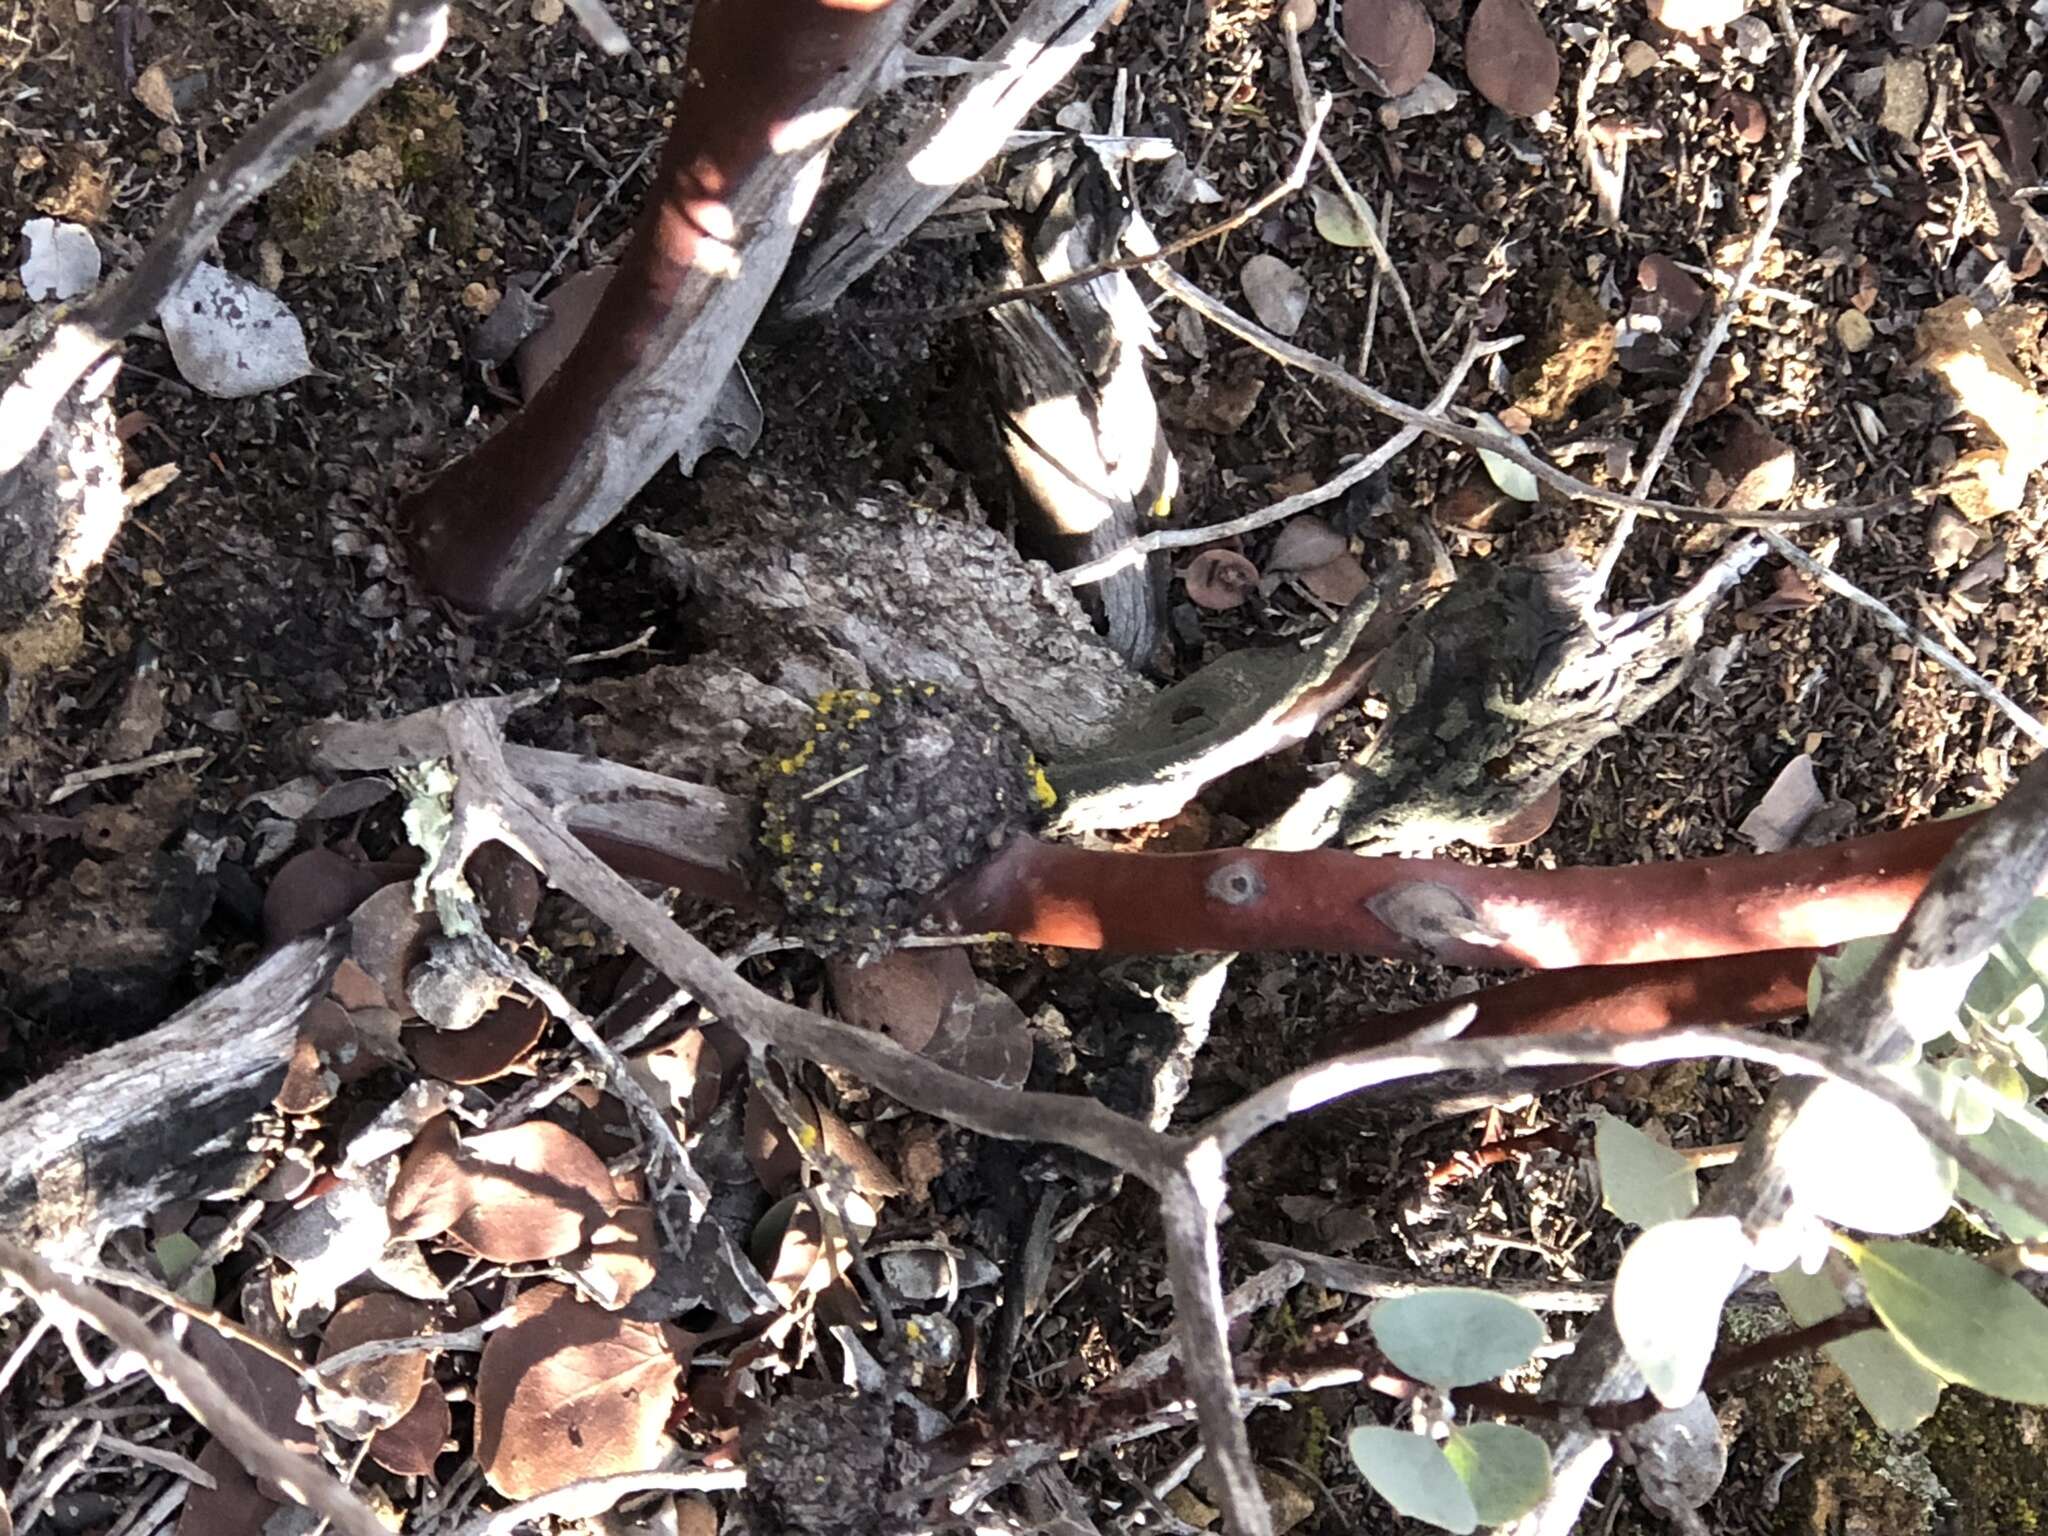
x=423, y=128
x=334, y=211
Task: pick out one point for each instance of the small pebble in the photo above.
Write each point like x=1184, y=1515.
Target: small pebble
x=1638, y=58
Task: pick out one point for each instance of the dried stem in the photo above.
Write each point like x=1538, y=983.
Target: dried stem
x=187, y=1383
x=1185, y=538
x=1729, y=306
x=2029, y=724
x=1569, y=486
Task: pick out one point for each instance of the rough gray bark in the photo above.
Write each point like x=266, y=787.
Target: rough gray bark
x=102, y=1143
x=808, y=598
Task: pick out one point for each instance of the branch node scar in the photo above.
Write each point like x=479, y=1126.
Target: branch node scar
x=1237, y=884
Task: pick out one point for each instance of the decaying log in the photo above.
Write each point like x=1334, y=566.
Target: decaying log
x=102, y=1143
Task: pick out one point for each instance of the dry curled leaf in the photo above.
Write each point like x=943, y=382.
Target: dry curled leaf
x=515, y=1196
x=387, y=1387
x=233, y=1506
x=1337, y=582
x=778, y=1163
x=1220, y=578
x=1510, y=59
x=388, y=936
x=1395, y=37
x=1743, y=113
x=688, y=1073
x=622, y=1257
x=410, y=1447
x=1675, y=298
x=489, y=1048
x=798, y=1251
x=902, y=994
x=1304, y=543
x=316, y=889
x=569, y=1391
x=1276, y=292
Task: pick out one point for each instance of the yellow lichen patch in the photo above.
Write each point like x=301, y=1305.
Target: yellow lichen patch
x=1041, y=787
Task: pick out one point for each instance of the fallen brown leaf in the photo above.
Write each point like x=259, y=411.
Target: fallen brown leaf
x=388, y=1386
x=1396, y=37
x=570, y=1391
x=1220, y=579
x=515, y=1196
x=410, y=1447
x=1510, y=59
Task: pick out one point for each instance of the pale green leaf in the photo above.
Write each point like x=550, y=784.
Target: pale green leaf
x=1454, y=1337
x=1897, y=1390
x=1641, y=1180
x=1808, y=1299
x=2017, y=1140
x=1411, y=1473
x=178, y=1257
x=1336, y=221
x=1504, y=1467
x=1668, y=1295
x=1895, y=1182
x=1512, y=479
x=1960, y=1319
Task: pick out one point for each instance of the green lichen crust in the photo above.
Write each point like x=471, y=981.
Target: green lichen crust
x=889, y=797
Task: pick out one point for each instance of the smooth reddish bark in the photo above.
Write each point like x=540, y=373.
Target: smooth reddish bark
x=1720, y=990
x=489, y=531
x=1542, y=919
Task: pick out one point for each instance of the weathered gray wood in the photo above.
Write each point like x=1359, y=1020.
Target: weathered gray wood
x=100, y=1144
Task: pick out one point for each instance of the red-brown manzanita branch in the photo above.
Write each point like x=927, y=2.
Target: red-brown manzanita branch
x=769, y=84
x=1738, y=990
x=1327, y=900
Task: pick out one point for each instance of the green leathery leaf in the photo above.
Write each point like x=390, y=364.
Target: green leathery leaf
x=1641, y=1180
x=1962, y=1320
x=1504, y=1467
x=1412, y=1473
x=1455, y=1336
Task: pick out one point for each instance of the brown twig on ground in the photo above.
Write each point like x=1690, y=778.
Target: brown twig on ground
x=769, y=84
x=188, y=1384
x=404, y=40
x=1729, y=305
x=1039, y=50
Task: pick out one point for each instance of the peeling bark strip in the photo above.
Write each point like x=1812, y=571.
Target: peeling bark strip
x=1037, y=53
x=770, y=84
x=1547, y=919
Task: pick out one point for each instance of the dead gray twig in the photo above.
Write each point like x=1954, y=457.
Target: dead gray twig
x=1729, y=305
x=1183, y=538
x=1281, y=350
x=1368, y=225
x=69, y=1303
x=1038, y=51
x=2029, y=724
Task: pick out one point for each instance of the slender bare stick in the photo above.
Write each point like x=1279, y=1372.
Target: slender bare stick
x=1281, y=350
x=1182, y=538
x=409, y=35
x=1369, y=226
x=188, y=1384
x=1724, y=319
x=2029, y=724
